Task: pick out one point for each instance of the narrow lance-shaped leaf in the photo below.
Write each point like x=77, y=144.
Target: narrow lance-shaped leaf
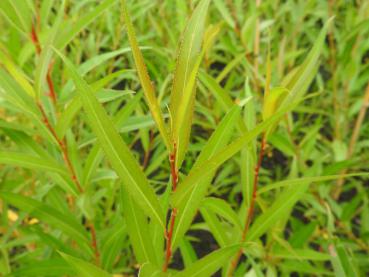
x=73, y=27
x=117, y=152
x=146, y=83
x=32, y=162
x=64, y=222
x=296, y=182
x=83, y=268
x=216, y=228
x=304, y=74
x=209, y=264
x=222, y=208
x=183, y=91
x=138, y=230
x=203, y=170
x=16, y=72
x=284, y=202
x=43, y=268
x=187, y=210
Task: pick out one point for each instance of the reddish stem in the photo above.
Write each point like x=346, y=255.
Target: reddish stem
x=61, y=142
x=94, y=243
x=169, y=235
x=50, y=83
x=35, y=40
x=62, y=146
x=250, y=211
x=169, y=232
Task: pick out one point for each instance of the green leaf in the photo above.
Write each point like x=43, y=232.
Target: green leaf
x=150, y=270
x=183, y=92
x=271, y=103
x=32, y=162
x=83, y=268
x=215, y=227
x=221, y=95
x=305, y=73
x=303, y=180
x=188, y=253
x=222, y=208
x=343, y=263
x=117, y=152
x=138, y=230
x=301, y=254
x=208, y=166
x=69, y=113
x=96, y=153
x=62, y=221
x=146, y=83
x=72, y=27
x=16, y=72
x=287, y=199
x=224, y=11
x=49, y=267
x=209, y=264
x=188, y=207
x=112, y=246
x=20, y=16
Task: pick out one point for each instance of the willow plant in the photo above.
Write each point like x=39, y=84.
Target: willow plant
x=89, y=190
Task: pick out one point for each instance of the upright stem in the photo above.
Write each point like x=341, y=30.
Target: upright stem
x=50, y=84
x=62, y=146
x=169, y=231
x=353, y=140
x=62, y=143
x=94, y=243
x=250, y=211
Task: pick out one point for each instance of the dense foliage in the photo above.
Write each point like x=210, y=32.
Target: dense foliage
x=184, y=138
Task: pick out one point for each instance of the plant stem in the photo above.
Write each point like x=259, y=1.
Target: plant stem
x=62, y=143
x=94, y=242
x=62, y=146
x=353, y=140
x=250, y=211
x=169, y=232
x=50, y=84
